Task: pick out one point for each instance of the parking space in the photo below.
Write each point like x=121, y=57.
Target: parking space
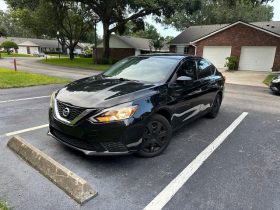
x=239, y=175
x=242, y=174
x=26, y=111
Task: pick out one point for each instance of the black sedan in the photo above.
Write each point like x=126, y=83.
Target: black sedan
x=135, y=105
x=275, y=84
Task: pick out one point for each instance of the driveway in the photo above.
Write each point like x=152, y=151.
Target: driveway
x=243, y=173
x=32, y=65
x=251, y=78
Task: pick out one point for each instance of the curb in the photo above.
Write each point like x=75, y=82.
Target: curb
x=76, y=187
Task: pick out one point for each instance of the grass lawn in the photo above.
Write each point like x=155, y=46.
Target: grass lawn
x=15, y=55
x=11, y=79
x=268, y=79
x=77, y=62
x=61, y=55
x=4, y=205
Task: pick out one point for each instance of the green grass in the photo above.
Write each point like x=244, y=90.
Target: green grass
x=85, y=63
x=268, y=79
x=15, y=55
x=11, y=79
x=4, y=205
x=61, y=55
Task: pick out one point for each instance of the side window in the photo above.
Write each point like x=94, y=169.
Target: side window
x=188, y=68
x=204, y=68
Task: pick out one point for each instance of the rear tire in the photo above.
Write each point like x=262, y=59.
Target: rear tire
x=156, y=137
x=215, y=107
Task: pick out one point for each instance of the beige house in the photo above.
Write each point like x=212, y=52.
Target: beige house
x=31, y=45
x=125, y=46
x=28, y=47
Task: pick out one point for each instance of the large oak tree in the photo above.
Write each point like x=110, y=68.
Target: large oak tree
x=115, y=14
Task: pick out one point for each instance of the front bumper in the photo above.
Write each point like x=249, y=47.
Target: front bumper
x=87, y=152
x=114, y=138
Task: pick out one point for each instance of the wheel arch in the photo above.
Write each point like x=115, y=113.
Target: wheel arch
x=165, y=113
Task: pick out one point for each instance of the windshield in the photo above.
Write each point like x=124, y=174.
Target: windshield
x=147, y=69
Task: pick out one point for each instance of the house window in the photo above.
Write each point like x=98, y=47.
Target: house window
x=186, y=50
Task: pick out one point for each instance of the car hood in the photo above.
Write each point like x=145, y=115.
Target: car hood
x=276, y=77
x=94, y=92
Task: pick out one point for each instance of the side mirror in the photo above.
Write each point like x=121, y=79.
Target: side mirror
x=184, y=80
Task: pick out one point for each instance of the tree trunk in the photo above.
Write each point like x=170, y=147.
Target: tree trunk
x=63, y=46
x=71, y=53
x=106, y=41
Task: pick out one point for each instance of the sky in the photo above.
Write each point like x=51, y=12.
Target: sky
x=170, y=31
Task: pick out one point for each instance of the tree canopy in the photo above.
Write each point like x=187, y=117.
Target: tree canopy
x=73, y=17
x=11, y=27
x=148, y=32
x=68, y=21
x=222, y=11
x=115, y=14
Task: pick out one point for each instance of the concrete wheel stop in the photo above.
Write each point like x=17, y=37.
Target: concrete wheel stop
x=76, y=187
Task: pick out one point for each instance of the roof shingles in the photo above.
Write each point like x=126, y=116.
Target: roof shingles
x=196, y=32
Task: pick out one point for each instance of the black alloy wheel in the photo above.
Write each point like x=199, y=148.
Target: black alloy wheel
x=156, y=137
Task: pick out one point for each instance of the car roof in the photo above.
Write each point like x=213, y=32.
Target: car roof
x=175, y=56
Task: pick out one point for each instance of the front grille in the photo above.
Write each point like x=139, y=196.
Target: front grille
x=79, y=143
x=73, y=111
x=114, y=146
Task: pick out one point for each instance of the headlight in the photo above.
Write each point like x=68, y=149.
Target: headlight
x=115, y=114
x=276, y=80
x=52, y=99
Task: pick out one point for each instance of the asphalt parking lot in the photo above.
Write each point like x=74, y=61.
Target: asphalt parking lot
x=243, y=173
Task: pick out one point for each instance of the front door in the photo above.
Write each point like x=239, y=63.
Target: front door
x=185, y=102
x=208, y=87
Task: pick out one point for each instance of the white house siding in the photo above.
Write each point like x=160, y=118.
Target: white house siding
x=76, y=51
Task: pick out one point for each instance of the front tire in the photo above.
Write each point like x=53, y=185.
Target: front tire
x=156, y=136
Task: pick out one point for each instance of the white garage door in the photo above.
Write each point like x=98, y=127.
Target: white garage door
x=257, y=58
x=180, y=49
x=217, y=54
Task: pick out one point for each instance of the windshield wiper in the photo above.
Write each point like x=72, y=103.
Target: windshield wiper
x=125, y=79
x=120, y=78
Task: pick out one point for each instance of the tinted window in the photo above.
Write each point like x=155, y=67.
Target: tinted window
x=204, y=68
x=188, y=69
x=148, y=69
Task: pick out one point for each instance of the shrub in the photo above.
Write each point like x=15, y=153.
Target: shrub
x=232, y=63
x=4, y=205
x=8, y=45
